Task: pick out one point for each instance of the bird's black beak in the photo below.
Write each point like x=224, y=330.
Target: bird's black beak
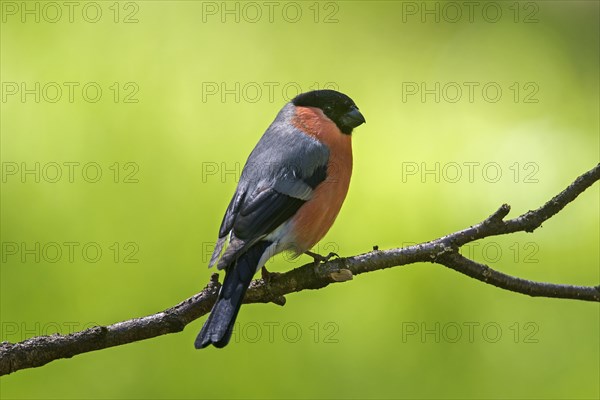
x=353, y=118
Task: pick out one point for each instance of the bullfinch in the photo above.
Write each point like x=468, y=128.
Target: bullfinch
x=288, y=196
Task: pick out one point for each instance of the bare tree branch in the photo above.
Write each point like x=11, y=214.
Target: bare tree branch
x=41, y=350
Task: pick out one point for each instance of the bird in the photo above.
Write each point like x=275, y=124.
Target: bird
x=290, y=192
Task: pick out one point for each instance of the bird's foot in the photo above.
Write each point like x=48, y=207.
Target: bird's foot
x=319, y=258
x=266, y=275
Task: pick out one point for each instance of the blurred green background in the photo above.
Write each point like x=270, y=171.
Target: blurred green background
x=186, y=90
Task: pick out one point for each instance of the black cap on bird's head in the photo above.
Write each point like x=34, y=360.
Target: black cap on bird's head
x=335, y=105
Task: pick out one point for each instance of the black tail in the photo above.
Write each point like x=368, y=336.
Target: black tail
x=218, y=327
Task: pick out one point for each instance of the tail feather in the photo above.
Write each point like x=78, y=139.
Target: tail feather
x=218, y=327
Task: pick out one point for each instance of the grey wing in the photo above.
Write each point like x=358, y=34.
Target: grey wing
x=258, y=214
x=267, y=197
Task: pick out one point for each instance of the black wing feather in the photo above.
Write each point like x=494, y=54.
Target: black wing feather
x=264, y=213
x=253, y=216
x=317, y=177
x=230, y=214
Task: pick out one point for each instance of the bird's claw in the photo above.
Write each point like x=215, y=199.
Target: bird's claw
x=319, y=258
x=266, y=275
